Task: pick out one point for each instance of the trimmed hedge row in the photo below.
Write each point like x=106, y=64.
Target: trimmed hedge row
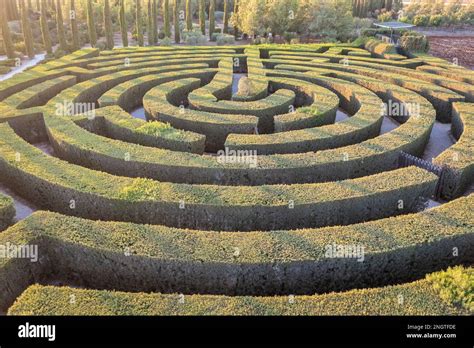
x=256, y=73
x=458, y=160
x=113, y=122
x=422, y=297
x=7, y=211
x=219, y=88
x=464, y=89
x=440, y=97
x=252, y=263
x=337, y=58
x=52, y=184
x=161, y=103
x=383, y=50
x=365, y=123
x=129, y=94
x=361, y=159
x=317, y=106
x=39, y=94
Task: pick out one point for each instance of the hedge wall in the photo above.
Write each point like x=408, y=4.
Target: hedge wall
x=7, y=211
x=458, y=160
x=280, y=262
x=422, y=297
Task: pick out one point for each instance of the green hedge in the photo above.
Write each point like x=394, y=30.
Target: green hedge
x=420, y=297
x=458, y=160
x=7, y=211
x=249, y=263
x=440, y=97
x=161, y=102
x=129, y=94
x=113, y=122
x=40, y=93
x=365, y=123
x=52, y=183
x=372, y=156
x=464, y=89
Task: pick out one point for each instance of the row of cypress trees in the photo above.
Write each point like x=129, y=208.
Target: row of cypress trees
x=152, y=23
x=361, y=8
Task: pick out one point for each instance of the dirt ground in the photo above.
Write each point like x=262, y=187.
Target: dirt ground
x=449, y=48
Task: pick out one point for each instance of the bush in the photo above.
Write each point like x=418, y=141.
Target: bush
x=414, y=42
x=455, y=286
x=385, y=17
x=288, y=36
x=421, y=20
x=166, y=41
x=194, y=37
x=436, y=20
x=225, y=39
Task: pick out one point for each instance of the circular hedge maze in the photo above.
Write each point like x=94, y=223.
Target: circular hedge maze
x=264, y=200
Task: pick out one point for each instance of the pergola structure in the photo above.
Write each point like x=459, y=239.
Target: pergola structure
x=393, y=26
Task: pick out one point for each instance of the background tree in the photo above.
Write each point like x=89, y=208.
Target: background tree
x=212, y=17
x=280, y=16
x=177, y=37
x=226, y=16
x=45, y=28
x=250, y=15
x=11, y=10
x=91, y=24
x=189, y=15
x=7, y=39
x=149, y=24
x=155, y=22
x=202, y=16
x=75, y=32
x=234, y=19
x=26, y=29
x=166, y=18
x=109, y=31
x=60, y=27
x=123, y=24
x=139, y=23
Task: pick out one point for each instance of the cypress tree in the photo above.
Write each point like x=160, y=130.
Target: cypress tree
x=189, y=15
x=60, y=27
x=27, y=35
x=139, y=24
x=12, y=10
x=109, y=31
x=226, y=16
x=177, y=37
x=236, y=10
x=212, y=18
x=75, y=33
x=91, y=24
x=155, y=23
x=202, y=16
x=7, y=39
x=166, y=18
x=45, y=29
x=149, y=23
x=123, y=24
